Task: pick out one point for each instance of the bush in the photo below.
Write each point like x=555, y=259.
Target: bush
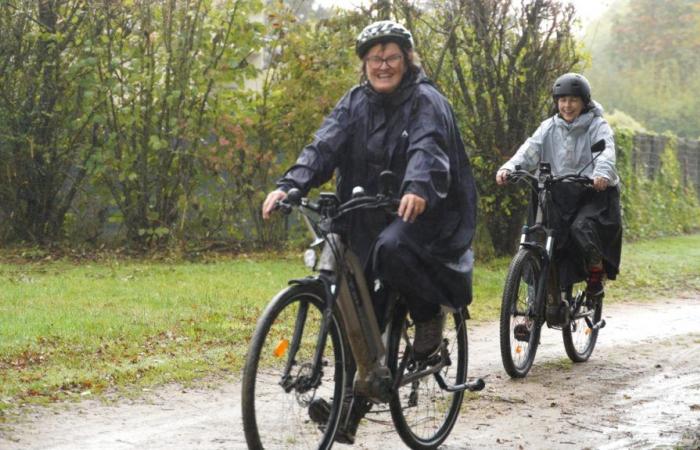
x=656, y=206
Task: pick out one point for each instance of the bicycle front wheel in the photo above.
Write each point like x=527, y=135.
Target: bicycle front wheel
x=580, y=336
x=423, y=412
x=278, y=378
x=520, y=324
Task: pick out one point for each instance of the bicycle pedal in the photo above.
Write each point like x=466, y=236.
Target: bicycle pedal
x=521, y=332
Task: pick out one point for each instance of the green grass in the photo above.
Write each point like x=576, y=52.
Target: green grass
x=658, y=268
x=71, y=330
x=559, y=364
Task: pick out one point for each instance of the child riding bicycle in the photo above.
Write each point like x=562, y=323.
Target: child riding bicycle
x=589, y=220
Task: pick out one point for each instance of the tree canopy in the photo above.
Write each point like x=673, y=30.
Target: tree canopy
x=646, y=62
x=151, y=122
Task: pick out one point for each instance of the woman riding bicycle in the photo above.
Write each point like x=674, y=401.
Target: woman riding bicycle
x=396, y=120
x=590, y=220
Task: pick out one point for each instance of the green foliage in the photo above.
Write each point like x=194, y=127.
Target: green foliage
x=47, y=114
x=162, y=67
x=645, y=59
x=168, y=121
x=309, y=66
x=658, y=206
x=620, y=120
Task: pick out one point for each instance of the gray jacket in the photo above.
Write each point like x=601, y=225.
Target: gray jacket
x=567, y=147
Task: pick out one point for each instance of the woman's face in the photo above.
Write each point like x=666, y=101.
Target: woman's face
x=570, y=107
x=384, y=67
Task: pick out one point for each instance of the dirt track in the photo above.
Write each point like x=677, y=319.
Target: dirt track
x=641, y=389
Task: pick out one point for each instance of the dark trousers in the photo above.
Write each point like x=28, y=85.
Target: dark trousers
x=594, y=233
x=402, y=260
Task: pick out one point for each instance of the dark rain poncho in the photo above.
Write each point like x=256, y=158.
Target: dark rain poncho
x=413, y=133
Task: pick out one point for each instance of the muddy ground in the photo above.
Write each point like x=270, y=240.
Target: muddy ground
x=640, y=389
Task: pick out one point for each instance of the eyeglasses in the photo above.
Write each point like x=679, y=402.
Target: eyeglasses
x=375, y=62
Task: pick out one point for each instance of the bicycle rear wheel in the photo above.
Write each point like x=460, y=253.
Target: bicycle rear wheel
x=580, y=336
x=423, y=412
x=278, y=385
x=520, y=325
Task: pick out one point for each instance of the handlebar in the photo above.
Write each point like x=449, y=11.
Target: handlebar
x=547, y=179
x=328, y=205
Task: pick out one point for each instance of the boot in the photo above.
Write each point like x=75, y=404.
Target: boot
x=521, y=331
x=594, y=283
x=354, y=409
x=428, y=337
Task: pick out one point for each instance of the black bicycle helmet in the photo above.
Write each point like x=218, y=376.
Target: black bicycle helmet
x=383, y=31
x=572, y=84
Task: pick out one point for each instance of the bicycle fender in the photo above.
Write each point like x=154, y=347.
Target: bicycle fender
x=541, y=251
x=311, y=279
x=322, y=281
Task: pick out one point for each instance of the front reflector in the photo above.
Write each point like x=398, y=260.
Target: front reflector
x=281, y=348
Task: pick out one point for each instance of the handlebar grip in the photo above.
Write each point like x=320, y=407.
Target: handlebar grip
x=294, y=197
x=514, y=176
x=283, y=207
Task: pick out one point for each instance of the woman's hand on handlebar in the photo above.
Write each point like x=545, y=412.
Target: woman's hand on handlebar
x=411, y=206
x=600, y=183
x=502, y=176
x=270, y=202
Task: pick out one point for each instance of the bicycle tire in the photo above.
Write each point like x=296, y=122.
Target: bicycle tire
x=518, y=308
x=423, y=413
x=275, y=416
x=579, y=338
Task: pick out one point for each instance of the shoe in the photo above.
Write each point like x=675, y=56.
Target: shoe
x=558, y=314
x=428, y=337
x=594, y=283
x=320, y=410
x=521, y=332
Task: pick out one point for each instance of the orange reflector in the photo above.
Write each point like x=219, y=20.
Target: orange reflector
x=281, y=348
x=518, y=349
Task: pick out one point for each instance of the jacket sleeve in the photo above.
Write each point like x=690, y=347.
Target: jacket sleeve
x=317, y=160
x=428, y=164
x=529, y=154
x=604, y=165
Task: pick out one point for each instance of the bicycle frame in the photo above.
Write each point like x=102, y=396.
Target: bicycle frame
x=342, y=277
x=542, y=185
x=360, y=324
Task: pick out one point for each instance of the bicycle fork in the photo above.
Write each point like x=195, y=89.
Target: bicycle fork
x=305, y=382
x=547, y=281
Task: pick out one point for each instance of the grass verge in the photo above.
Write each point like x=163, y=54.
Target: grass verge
x=69, y=331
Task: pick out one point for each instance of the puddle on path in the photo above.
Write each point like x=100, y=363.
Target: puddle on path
x=656, y=413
